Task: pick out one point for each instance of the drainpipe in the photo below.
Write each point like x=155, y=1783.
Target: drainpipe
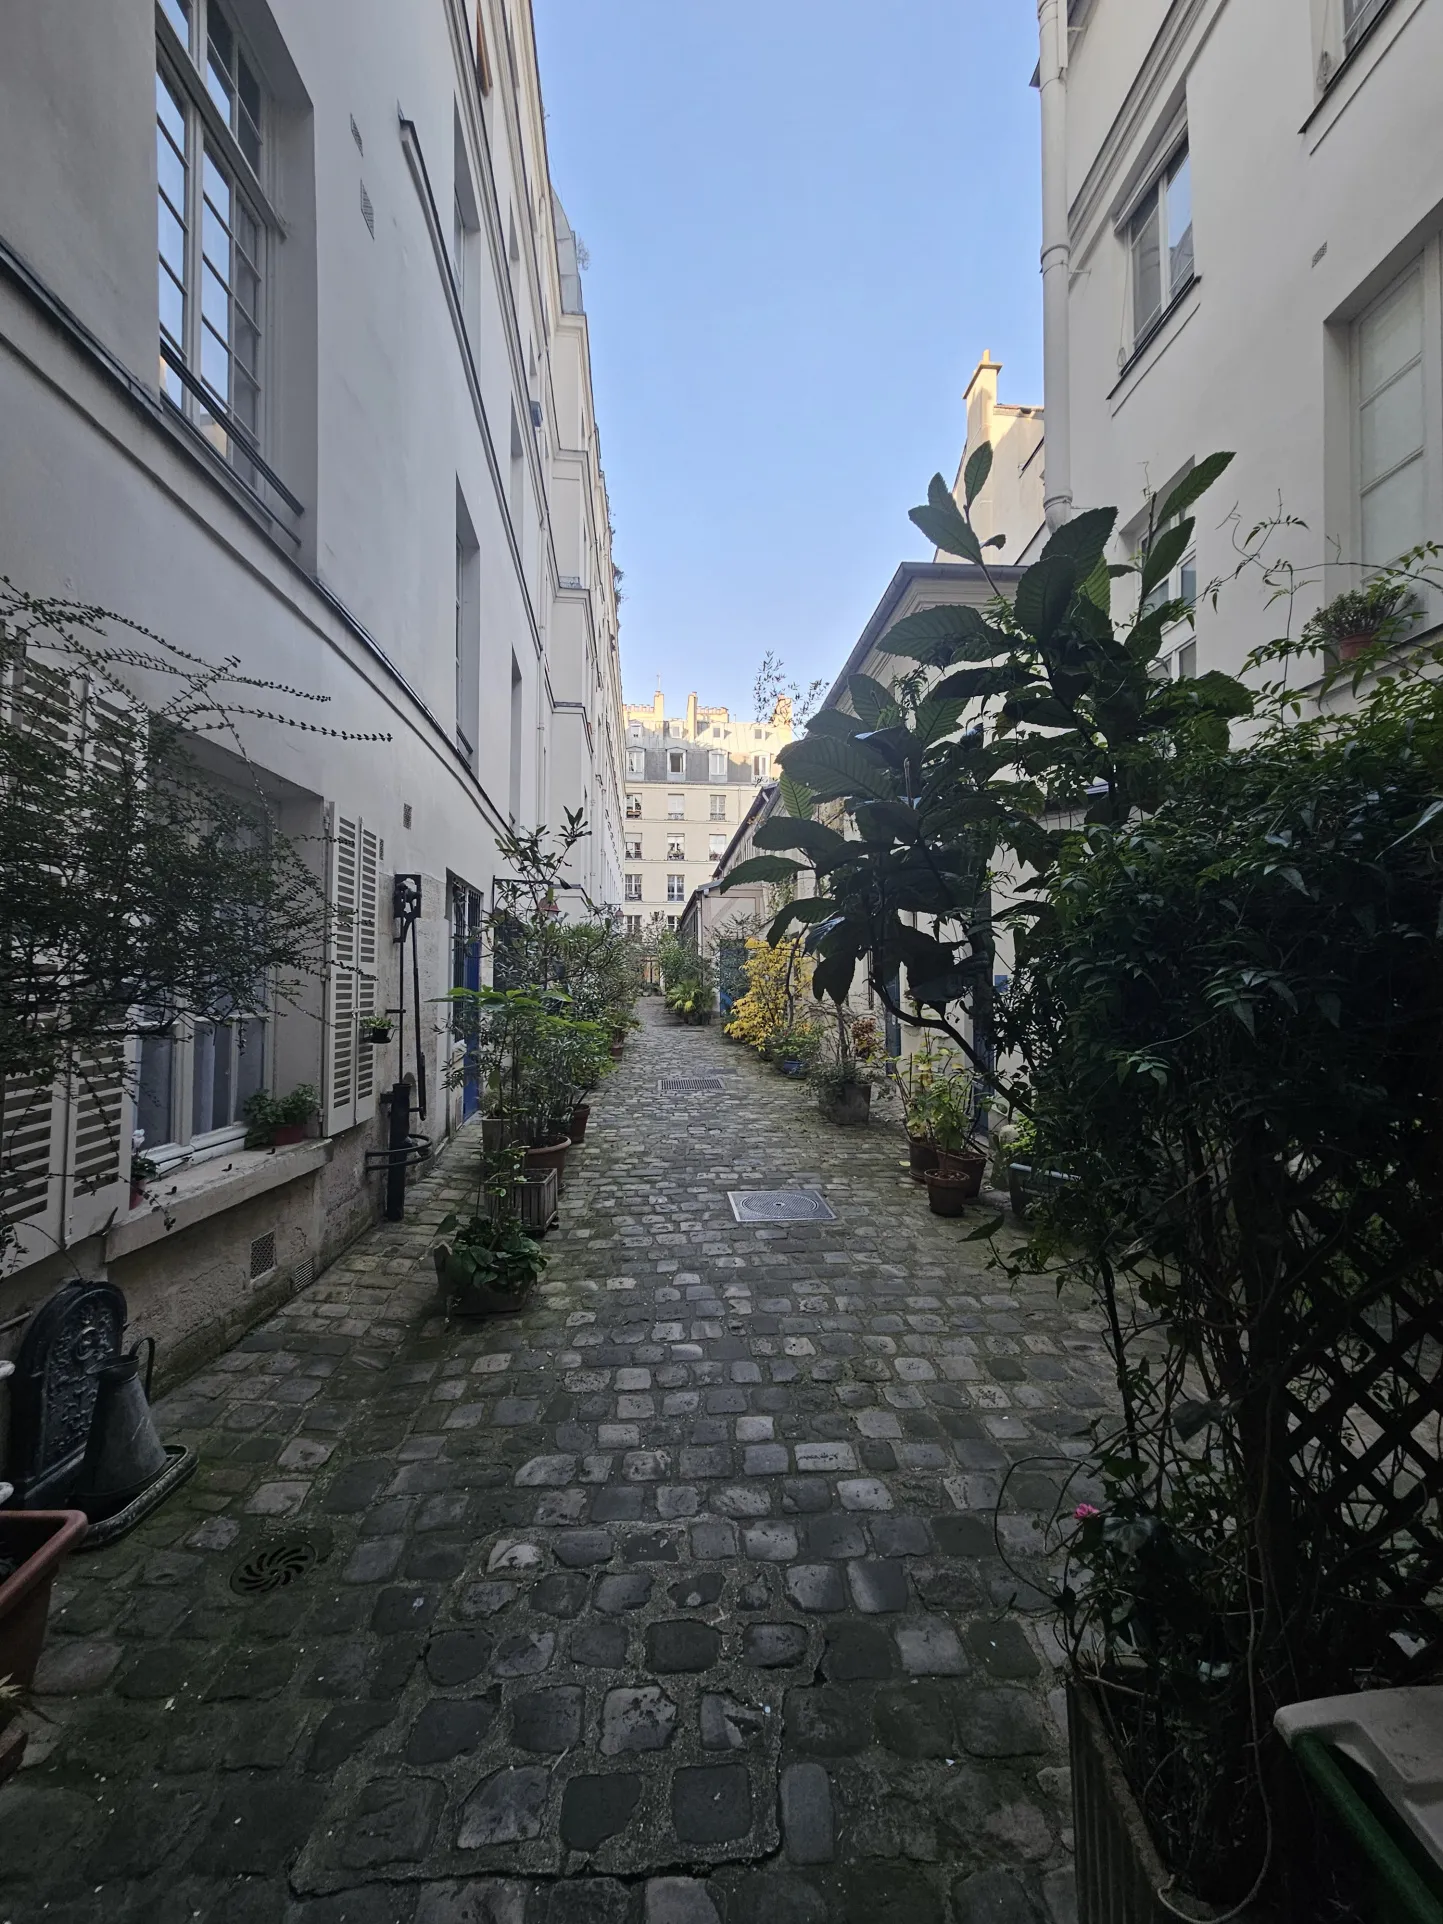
x=1056, y=262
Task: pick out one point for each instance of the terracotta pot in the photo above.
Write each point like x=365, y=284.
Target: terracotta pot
x=963, y=1165
x=948, y=1195
x=576, y=1128
x=40, y=1540
x=1351, y=646
x=137, y=1194
x=618, y=1050
x=286, y=1133
x=849, y=1107
x=548, y=1155
x=922, y=1155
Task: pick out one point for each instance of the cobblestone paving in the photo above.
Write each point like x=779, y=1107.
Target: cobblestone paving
x=674, y=1599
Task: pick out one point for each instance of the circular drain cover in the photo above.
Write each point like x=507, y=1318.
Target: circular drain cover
x=273, y=1566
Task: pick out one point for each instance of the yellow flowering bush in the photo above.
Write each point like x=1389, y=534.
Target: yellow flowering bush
x=776, y=977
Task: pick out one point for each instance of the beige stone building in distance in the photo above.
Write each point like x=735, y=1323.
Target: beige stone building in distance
x=689, y=780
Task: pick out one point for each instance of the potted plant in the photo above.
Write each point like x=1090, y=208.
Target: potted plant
x=490, y=1265
x=379, y=1031
x=953, y=1115
x=794, y=1049
x=915, y=1077
x=143, y=1169
x=1362, y=618
x=33, y=1544
x=948, y=1195
x=274, y=1122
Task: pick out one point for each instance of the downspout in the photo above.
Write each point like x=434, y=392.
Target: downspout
x=1056, y=263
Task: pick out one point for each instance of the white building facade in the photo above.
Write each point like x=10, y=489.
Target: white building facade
x=294, y=368
x=1242, y=210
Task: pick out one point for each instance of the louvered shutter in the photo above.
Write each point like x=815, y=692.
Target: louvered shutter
x=370, y=849
x=32, y=1159
x=356, y=853
x=97, y=1160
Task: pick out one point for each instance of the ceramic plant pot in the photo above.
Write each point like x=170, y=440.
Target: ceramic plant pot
x=286, y=1133
x=548, y=1155
x=36, y=1542
x=963, y=1165
x=576, y=1128
x=922, y=1156
x=948, y=1195
x=849, y=1107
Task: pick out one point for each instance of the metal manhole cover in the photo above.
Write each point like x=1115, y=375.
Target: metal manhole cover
x=691, y=1086
x=273, y=1566
x=780, y=1206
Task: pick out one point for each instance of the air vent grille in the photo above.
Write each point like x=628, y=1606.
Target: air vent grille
x=263, y=1255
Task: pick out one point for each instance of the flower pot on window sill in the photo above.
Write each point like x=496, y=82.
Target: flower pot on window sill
x=1349, y=647
x=963, y=1165
x=286, y=1134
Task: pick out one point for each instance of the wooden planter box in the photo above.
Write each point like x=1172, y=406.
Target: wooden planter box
x=1118, y=1871
x=534, y=1201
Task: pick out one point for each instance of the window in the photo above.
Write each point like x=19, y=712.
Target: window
x=633, y=848
x=716, y=734
x=761, y=767
x=633, y=888
x=718, y=808
x=1358, y=16
x=634, y=731
x=1160, y=239
x=194, y=1082
x=676, y=848
x=676, y=888
x=633, y=925
x=1180, y=585
x=757, y=735
x=676, y=763
x=468, y=634
x=636, y=762
x=717, y=846
x=633, y=808
x=1391, y=440
x=211, y=233
x=672, y=921
x=717, y=765
x=676, y=808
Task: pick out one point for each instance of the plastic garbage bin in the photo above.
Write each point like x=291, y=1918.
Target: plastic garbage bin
x=1376, y=1760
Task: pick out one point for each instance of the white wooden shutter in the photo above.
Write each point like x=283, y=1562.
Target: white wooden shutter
x=356, y=851
x=370, y=850
x=97, y=1160
x=32, y=1161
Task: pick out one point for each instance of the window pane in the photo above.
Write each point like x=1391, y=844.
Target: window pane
x=1187, y=661
x=202, y=1080
x=153, y=1091
x=1391, y=336
x=1146, y=266
x=215, y=364
x=215, y=301
x=172, y=309
x=250, y=1060
x=1187, y=580
x=177, y=12
x=170, y=170
x=1179, y=224
x=1393, y=514
x=1392, y=424
x=171, y=238
x=248, y=113
x=167, y=111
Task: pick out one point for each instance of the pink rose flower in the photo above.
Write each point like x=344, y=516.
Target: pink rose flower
x=1086, y=1510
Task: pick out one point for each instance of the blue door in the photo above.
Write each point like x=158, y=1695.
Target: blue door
x=466, y=973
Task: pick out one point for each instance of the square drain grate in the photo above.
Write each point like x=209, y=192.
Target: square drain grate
x=691, y=1085
x=780, y=1206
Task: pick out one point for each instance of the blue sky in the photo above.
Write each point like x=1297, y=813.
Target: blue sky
x=806, y=219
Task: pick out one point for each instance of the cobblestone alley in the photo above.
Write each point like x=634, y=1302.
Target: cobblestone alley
x=673, y=1599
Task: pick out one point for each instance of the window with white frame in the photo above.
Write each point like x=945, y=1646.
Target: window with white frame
x=633, y=808
x=633, y=848
x=633, y=888
x=676, y=808
x=633, y=925
x=717, y=765
x=718, y=808
x=1358, y=16
x=634, y=731
x=636, y=761
x=676, y=888
x=1160, y=243
x=676, y=848
x=761, y=767
x=676, y=763
x=1392, y=417
x=672, y=921
x=716, y=734
x=211, y=228
x=194, y=1080
x=716, y=846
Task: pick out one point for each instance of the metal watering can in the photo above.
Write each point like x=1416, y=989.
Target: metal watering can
x=123, y=1453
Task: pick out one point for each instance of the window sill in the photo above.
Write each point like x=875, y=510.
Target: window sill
x=1154, y=332
x=202, y=1190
